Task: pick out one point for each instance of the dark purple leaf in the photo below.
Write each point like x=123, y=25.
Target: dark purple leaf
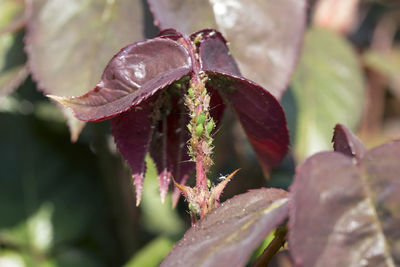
x=228, y=235
x=168, y=147
x=214, y=55
x=258, y=111
x=134, y=74
x=346, y=214
x=260, y=115
x=132, y=133
x=346, y=142
x=264, y=36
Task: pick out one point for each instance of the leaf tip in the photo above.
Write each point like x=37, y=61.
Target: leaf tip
x=164, y=179
x=138, y=181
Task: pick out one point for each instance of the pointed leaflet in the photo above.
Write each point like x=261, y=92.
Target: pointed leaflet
x=228, y=235
x=346, y=142
x=168, y=148
x=265, y=37
x=349, y=216
x=137, y=72
x=76, y=39
x=259, y=112
x=132, y=133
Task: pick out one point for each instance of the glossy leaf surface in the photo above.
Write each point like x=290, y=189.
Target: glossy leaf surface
x=349, y=216
x=76, y=39
x=346, y=142
x=328, y=88
x=260, y=115
x=137, y=72
x=239, y=224
x=168, y=62
x=264, y=36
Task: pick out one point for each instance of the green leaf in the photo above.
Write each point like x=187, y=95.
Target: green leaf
x=48, y=194
x=152, y=254
x=12, y=69
x=11, y=15
x=388, y=64
x=158, y=218
x=11, y=258
x=328, y=87
x=69, y=43
x=264, y=36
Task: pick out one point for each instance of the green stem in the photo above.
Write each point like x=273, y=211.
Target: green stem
x=273, y=247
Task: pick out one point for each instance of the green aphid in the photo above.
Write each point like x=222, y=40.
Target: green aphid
x=191, y=93
x=201, y=118
x=199, y=130
x=189, y=127
x=210, y=126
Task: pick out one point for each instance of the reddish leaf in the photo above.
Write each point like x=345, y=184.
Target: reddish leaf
x=228, y=235
x=214, y=55
x=260, y=115
x=132, y=133
x=347, y=214
x=168, y=147
x=265, y=37
x=258, y=111
x=383, y=177
x=134, y=74
x=346, y=142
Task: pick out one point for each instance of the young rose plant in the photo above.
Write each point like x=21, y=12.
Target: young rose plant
x=166, y=96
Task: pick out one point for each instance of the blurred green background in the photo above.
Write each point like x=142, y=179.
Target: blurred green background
x=73, y=204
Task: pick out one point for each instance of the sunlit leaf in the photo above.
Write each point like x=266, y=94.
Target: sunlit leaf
x=11, y=16
x=328, y=88
x=347, y=214
x=260, y=114
x=143, y=90
x=12, y=69
x=387, y=63
x=158, y=218
x=229, y=234
x=152, y=254
x=76, y=39
x=137, y=72
x=264, y=36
